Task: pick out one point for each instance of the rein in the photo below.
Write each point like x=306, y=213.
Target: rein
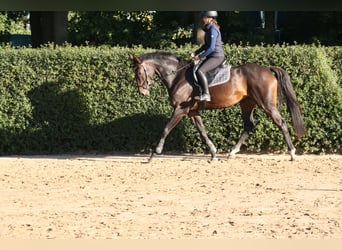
x=173, y=72
x=145, y=84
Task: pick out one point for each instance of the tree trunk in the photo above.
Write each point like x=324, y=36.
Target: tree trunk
x=48, y=26
x=270, y=27
x=60, y=27
x=198, y=31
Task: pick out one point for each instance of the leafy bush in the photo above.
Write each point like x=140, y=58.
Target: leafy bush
x=83, y=99
x=335, y=57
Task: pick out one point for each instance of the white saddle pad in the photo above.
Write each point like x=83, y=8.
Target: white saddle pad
x=219, y=75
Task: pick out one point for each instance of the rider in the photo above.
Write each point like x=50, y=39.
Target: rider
x=211, y=50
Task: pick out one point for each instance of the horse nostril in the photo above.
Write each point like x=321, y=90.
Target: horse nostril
x=143, y=93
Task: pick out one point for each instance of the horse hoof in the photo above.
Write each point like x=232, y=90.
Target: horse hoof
x=150, y=158
x=293, y=154
x=232, y=153
x=159, y=150
x=214, y=158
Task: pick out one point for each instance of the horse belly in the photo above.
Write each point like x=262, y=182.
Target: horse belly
x=225, y=96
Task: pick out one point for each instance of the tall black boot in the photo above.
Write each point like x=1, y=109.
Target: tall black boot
x=202, y=79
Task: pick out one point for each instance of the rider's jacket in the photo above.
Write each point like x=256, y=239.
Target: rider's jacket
x=212, y=46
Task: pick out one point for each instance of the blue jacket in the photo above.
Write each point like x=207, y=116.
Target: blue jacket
x=212, y=46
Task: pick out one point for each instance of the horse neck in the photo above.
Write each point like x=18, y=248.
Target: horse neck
x=166, y=71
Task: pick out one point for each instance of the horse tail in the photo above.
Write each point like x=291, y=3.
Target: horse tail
x=291, y=100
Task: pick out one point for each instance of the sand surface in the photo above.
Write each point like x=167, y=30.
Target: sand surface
x=172, y=197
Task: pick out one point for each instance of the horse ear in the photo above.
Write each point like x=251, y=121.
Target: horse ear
x=135, y=59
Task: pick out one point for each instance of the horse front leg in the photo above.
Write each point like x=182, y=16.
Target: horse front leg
x=176, y=117
x=197, y=120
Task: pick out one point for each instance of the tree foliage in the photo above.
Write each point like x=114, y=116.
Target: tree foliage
x=14, y=22
x=111, y=28
x=171, y=29
x=165, y=29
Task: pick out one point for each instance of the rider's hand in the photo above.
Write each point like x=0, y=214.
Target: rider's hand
x=193, y=56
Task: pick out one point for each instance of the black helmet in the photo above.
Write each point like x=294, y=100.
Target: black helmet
x=210, y=13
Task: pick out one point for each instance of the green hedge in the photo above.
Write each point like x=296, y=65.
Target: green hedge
x=335, y=56
x=84, y=99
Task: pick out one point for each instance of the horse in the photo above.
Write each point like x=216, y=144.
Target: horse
x=250, y=85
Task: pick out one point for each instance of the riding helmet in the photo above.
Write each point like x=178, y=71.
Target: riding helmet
x=210, y=13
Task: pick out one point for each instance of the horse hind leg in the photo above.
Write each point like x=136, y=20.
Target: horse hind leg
x=281, y=123
x=238, y=145
x=247, y=106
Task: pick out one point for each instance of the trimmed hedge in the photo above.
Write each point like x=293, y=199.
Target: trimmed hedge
x=83, y=99
x=335, y=56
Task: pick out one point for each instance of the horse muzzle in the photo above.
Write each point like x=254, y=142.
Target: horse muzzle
x=144, y=92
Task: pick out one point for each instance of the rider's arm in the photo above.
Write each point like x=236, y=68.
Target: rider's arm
x=211, y=45
x=200, y=50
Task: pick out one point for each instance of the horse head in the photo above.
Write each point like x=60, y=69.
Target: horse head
x=144, y=73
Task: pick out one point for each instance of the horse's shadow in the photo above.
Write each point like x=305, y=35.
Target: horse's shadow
x=137, y=133
x=62, y=123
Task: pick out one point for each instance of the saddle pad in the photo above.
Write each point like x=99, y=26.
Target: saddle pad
x=219, y=76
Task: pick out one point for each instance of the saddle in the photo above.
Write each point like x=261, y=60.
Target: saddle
x=217, y=76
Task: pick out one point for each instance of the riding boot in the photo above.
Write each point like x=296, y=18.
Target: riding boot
x=203, y=81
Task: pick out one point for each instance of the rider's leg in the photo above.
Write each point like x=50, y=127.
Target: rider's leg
x=203, y=81
x=207, y=65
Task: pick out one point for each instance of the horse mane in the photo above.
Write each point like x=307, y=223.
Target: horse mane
x=163, y=55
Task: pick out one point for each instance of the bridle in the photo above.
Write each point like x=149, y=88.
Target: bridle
x=145, y=85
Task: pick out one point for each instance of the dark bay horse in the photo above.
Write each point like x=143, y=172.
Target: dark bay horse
x=250, y=85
